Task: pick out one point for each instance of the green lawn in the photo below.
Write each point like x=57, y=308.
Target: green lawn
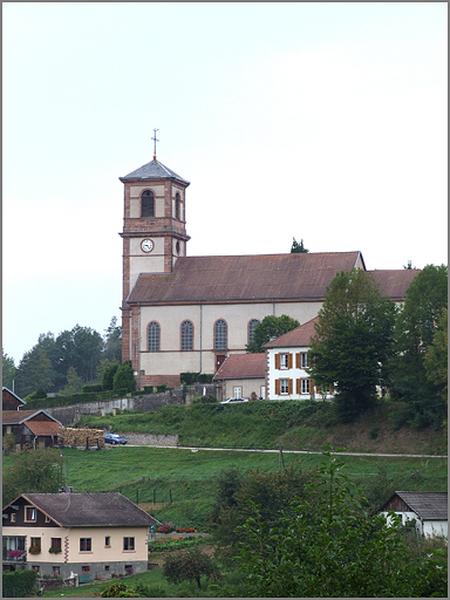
x=293, y=425
x=157, y=474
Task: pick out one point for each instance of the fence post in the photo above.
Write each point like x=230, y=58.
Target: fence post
x=170, y=496
x=154, y=496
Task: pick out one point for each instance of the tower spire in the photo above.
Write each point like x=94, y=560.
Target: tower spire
x=155, y=139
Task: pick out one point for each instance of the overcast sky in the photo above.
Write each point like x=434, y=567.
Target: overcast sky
x=326, y=122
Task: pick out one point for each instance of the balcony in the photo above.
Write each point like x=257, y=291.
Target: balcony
x=14, y=548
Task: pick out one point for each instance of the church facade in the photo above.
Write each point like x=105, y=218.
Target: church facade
x=187, y=314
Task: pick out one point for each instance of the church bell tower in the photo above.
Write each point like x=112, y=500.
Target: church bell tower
x=154, y=227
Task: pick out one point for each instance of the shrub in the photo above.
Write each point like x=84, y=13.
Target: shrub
x=189, y=565
x=118, y=590
x=204, y=400
x=165, y=528
x=92, y=387
x=189, y=378
x=9, y=442
x=123, y=380
x=17, y=584
x=108, y=376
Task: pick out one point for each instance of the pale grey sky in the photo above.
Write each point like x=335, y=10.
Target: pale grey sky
x=326, y=122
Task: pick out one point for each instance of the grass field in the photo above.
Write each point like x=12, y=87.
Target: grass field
x=292, y=425
x=155, y=476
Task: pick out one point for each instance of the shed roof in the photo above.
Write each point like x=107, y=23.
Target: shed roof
x=152, y=170
x=431, y=506
x=91, y=509
x=296, y=338
x=47, y=428
x=243, y=366
x=248, y=278
x=16, y=417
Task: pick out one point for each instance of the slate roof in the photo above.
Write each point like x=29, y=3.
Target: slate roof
x=91, y=509
x=152, y=170
x=298, y=337
x=429, y=506
x=248, y=278
x=394, y=283
x=243, y=366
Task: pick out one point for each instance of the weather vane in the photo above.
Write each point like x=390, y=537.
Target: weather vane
x=155, y=139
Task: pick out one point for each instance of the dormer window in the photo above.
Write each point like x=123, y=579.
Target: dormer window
x=30, y=514
x=147, y=204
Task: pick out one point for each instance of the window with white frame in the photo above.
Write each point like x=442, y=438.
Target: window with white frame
x=304, y=360
x=128, y=543
x=30, y=514
x=284, y=386
x=305, y=386
x=284, y=360
x=237, y=392
x=85, y=544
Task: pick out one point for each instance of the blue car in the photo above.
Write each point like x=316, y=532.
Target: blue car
x=115, y=439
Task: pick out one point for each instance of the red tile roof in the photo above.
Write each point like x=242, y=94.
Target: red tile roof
x=44, y=427
x=395, y=282
x=299, y=337
x=252, y=278
x=243, y=366
x=14, y=417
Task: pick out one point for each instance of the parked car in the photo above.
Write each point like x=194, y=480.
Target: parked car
x=234, y=400
x=115, y=438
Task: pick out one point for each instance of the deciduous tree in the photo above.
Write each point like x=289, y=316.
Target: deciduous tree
x=270, y=327
x=353, y=342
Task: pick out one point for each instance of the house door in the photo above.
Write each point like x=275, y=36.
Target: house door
x=219, y=360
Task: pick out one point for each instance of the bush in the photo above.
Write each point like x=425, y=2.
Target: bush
x=108, y=376
x=162, y=388
x=189, y=565
x=189, y=378
x=123, y=380
x=17, y=584
x=92, y=387
x=204, y=400
x=9, y=442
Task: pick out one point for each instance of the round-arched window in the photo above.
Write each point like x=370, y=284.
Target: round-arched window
x=187, y=336
x=220, y=335
x=252, y=325
x=154, y=336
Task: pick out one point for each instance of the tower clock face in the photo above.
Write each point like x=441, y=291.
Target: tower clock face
x=147, y=245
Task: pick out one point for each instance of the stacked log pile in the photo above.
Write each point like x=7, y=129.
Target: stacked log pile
x=75, y=437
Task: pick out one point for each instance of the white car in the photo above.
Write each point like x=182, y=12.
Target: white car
x=234, y=400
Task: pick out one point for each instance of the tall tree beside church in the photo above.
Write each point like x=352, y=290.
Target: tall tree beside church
x=416, y=327
x=8, y=371
x=80, y=348
x=270, y=327
x=113, y=341
x=298, y=247
x=353, y=342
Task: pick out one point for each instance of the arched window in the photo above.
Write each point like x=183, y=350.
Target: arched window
x=177, y=206
x=220, y=335
x=252, y=325
x=154, y=336
x=147, y=204
x=187, y=336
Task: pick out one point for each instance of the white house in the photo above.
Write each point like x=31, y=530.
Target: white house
x=427, y=509
x=288, y=360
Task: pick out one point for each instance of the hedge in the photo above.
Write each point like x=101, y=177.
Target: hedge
x=189, y=378
x=17, y=584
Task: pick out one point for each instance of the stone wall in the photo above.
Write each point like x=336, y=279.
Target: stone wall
x=151, y=439
x=70, y=415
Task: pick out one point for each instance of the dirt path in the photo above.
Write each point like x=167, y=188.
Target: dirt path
x=272, y=451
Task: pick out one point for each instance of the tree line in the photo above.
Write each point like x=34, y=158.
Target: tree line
x=66, y=362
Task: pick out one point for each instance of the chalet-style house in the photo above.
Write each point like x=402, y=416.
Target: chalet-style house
x=31, y=429
x=185, y=313
x=429, y=511
x=76, y=535
x=11, y=401
x=242, y=376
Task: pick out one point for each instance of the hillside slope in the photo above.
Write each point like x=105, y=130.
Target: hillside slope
x=291, y=425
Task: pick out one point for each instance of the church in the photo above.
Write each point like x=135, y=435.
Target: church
x=185, y=313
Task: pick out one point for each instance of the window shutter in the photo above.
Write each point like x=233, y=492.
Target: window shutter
x=290, y=385
x=311, y=387
x=297, y=360
x=277, y=386
x=289, y=361
x=297, y=386
x=277, y=360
